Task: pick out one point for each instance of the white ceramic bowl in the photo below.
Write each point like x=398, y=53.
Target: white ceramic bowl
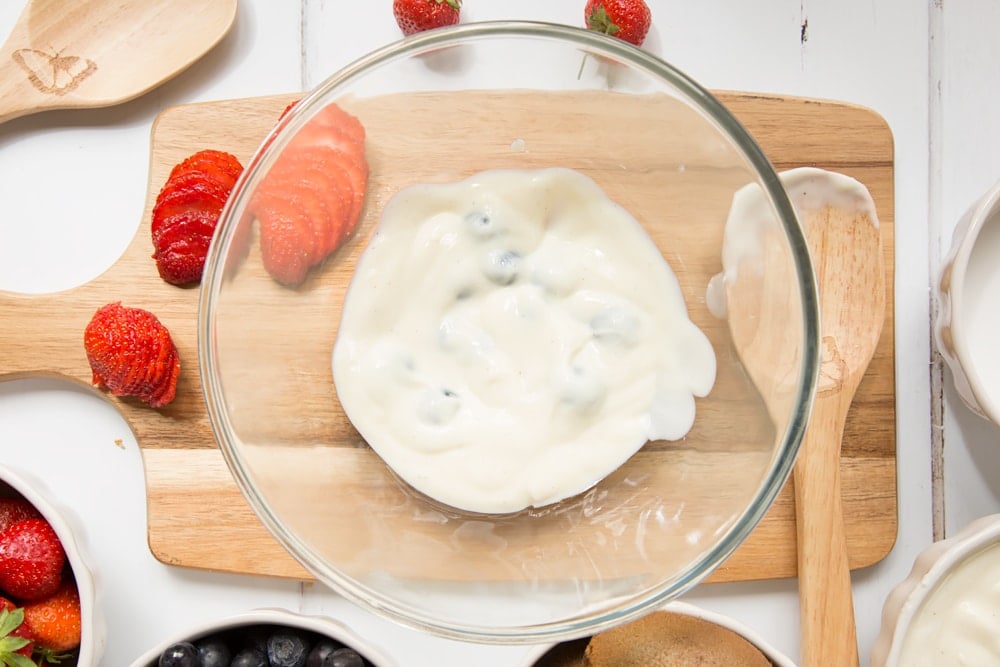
x=320, y=624
x=906, y=602
x=967, y=318
x=69, y=529
x=772, y=654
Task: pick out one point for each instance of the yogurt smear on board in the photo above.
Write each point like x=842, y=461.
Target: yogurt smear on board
x=511, y=339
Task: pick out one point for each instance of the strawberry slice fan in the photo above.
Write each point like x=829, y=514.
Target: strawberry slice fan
x=311, y=199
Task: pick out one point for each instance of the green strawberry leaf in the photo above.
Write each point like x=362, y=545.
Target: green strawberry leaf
x=11, y=620
x=15, y=660
x=454, y=4
x=601, y=22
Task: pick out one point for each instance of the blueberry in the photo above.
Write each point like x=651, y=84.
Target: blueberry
x=321, y=651
x=616, y=324
x=181, y=654
x=330, y=653
x=213, y=652
x=249, y=657
x=287, y=648
x=344, y=657
x=438, y=406
x=481, y=224
x=502, y=266
x=582, y=388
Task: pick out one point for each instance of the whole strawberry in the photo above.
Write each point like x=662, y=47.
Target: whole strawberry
x=56, y=621
x=31, y=560
x=132, y=354
x=625, y=19
x=17, y=641
x=13, y=510
x=418, y=15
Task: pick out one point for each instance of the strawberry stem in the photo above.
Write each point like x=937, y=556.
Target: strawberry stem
x=600, y=21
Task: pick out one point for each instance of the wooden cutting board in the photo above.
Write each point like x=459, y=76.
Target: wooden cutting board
x=198, y=518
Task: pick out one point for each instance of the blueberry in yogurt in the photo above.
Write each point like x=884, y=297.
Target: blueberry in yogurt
x=438, y=406
x=615, y=324
x=502, y=266
x=482, y=224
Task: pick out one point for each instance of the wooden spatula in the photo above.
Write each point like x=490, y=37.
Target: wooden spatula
x=96, y=53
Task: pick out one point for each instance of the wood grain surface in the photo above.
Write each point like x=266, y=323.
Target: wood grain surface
x=93, y=53
x=196, y=513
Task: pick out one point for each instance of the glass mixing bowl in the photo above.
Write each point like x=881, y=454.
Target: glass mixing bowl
x=438, y=107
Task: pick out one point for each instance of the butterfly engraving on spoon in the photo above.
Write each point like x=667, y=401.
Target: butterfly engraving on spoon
x=832, y=368
x=53, y=72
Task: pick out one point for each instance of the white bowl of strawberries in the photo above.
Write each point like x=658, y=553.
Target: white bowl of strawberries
x=48, y=610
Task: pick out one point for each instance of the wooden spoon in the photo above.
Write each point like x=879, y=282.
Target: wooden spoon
x=838, y=218
x=96, y=53
x=846, y=248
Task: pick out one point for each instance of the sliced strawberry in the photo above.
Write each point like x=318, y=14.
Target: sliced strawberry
x=334, y=116
x=313, y=194
x=290, y=106
x=188, y=207
x=291, y=209
x=119, y=340
x=183, y=262
x=189, y=222
x=315, y=215
x=224, y=162
x=164, y=392
x=190, y=189
x=310, y=182
x=355, y=181
x=286, y=245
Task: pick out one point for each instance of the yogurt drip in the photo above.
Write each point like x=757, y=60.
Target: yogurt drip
x=511, y=339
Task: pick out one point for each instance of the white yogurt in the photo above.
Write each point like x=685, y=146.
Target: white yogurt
x=752, y=218
x=509, y=340
x=958, y=624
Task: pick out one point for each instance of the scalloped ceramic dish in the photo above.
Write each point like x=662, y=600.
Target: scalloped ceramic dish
x=967, y=319
x=69, y=529
x=933, y=567
x=319, y=624
x=535, y=657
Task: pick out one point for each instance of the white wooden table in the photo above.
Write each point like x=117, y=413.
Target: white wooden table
x=73, y=186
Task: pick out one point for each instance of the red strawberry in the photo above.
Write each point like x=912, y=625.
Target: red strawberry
x=210, y=161
x=198, y=186
x=418, y=15
x=312, y=197
x=132, y=354
x=56, y=620
x=17, y=641
x=31, y=559
x=16, y=509
x=291, y=105
x=625, y=19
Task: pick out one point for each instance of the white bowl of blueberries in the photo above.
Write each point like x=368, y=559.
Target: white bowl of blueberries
x=266, y=638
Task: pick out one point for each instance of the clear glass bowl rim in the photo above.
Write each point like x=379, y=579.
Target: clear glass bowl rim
x=593, y=43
